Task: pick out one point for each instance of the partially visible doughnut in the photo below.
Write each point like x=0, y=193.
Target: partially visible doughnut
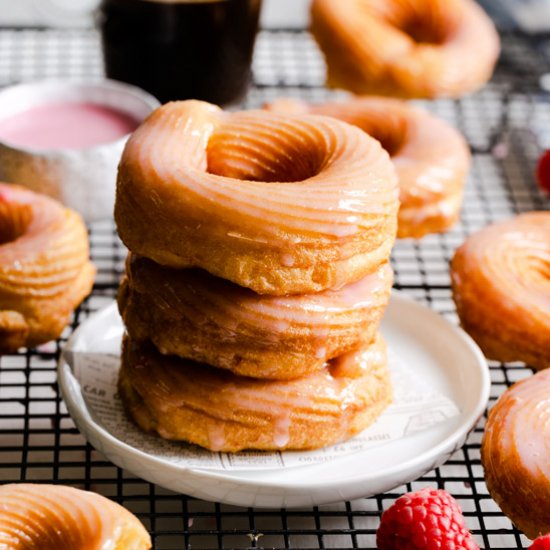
x=282, y=204
x=501, y=288
x=515, y=453
x=406, y=48
x=192, y=314
x=45, y=271
x=213, y=408
x=57, y=517
x=431, y=158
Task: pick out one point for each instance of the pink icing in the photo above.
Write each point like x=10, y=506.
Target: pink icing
x=66, y=125
x=281, y=435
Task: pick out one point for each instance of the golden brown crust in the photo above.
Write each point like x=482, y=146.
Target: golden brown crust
x=194, y=315
x=431, y=158
x=515, y=453
x=405, y=48
x=215, y=409
x=45, y=271
x=500, y=281
x=280, y=204
x=35, y=517
x=14, y=331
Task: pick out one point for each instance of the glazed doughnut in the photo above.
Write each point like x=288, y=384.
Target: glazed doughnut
x=515, y=453
x=213, y=408
x=39, y=517
x=282, y=204
x=194, y=315
x=406, y=48
x=431, y=158
x=501, y=288
x=45, y=271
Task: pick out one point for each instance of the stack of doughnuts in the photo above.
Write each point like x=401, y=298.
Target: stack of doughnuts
x=257, y=277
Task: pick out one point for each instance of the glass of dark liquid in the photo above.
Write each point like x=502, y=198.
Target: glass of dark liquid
x=181, y=49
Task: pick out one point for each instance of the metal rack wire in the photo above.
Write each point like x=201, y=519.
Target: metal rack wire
x=506, y=125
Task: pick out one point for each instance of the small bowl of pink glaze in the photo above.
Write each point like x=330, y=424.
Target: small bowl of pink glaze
x=65, y=139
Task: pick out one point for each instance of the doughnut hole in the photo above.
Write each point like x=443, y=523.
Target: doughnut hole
x=270, y=151
x=14, y=220
x=390, y=129
x=423, y=30
x=429, y=23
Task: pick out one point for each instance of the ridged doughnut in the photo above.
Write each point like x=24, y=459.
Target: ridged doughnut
x=45, y=271
x=431, y=158
x=56, y=517
x=213, y=408
x=515, y=453
x=501, y=288
x=194, y=315
x=282, y=204
x=406, y=48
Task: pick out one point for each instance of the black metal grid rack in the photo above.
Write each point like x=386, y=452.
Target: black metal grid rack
x=507, y=125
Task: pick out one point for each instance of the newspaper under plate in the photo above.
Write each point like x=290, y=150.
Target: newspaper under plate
x=416, y=407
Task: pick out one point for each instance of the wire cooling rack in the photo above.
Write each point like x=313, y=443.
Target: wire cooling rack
x=507, y=124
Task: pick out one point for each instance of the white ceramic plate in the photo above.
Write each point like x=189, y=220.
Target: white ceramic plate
x=443, y=355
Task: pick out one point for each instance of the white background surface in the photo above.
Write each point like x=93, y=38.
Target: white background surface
x=275, y=13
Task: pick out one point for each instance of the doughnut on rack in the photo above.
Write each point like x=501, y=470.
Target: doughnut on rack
x=506, y=126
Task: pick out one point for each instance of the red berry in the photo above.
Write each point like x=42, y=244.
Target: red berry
x=542, y=543
x=429, y=519
x=543, y=172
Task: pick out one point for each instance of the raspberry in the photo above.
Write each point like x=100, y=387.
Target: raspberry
x=429, y=519
x=542, y=543
x=543, y=172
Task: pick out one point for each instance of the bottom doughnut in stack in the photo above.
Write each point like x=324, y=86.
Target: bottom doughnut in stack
x=183, y=400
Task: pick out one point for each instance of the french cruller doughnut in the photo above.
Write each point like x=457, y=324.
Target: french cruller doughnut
x=515, y=453
x=213, y=408
x=431, y=158
x=257, y=276
x=192, y=314
x=279, y=203
x=45, y=271
x=406, y=48
x=501, y=288
x=57, y=517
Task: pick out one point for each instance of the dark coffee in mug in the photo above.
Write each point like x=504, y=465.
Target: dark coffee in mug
x=181, y=49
